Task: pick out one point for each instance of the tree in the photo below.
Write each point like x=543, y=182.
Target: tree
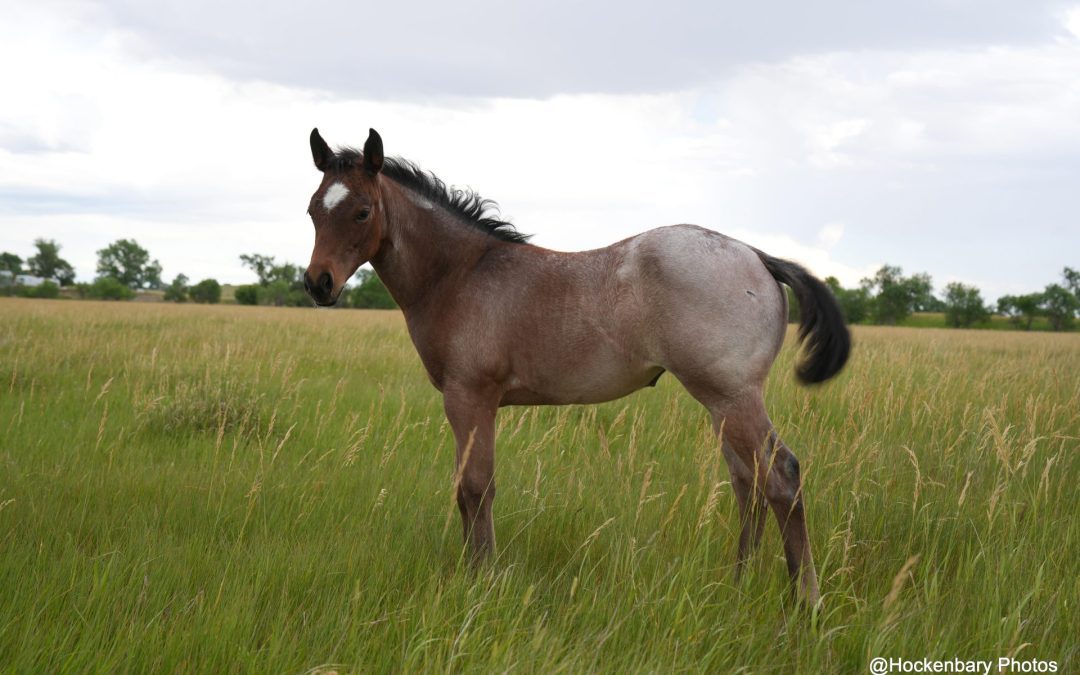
x=964, y=306
x=130, y=264
x=48, y=263
x=370, y=292
x=922, y=294
x=268, y=271
x=895, y=296
x=854, y=302
x=11, y=262
x=279, y=285
x=1072, y=280
x=260, y=264
x=1021, y=309
x=177, y=291
x=207, y=292
x=1060, y=306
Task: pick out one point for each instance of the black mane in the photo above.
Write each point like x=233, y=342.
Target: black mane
x=464, y=203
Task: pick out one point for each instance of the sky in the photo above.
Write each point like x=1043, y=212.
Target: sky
x=941, y=137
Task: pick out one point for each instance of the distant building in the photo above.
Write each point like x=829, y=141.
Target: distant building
x=6, y=278
x=31, y=281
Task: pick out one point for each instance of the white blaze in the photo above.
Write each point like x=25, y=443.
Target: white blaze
x=333, y=195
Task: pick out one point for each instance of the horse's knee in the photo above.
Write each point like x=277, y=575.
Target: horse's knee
x=474, y=489
x=791, y=467
x=784, y=486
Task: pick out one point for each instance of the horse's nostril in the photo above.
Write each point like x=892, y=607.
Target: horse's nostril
x=326, y=283
x=307, y=282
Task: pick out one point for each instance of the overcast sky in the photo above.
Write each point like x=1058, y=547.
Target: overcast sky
x=938, y=136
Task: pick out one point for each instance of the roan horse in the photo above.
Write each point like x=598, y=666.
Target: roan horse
x=498, y=321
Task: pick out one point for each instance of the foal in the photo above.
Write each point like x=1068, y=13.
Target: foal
x=498, y=321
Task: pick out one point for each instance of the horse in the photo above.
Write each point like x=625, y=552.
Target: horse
x=498, y=321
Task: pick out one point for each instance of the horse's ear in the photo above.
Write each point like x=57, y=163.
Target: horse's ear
x=373, y=153
x=320, y=151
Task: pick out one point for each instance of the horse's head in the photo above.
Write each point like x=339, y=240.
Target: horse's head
x=348, y=214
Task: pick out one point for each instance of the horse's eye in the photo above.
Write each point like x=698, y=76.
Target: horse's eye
x=363, y=215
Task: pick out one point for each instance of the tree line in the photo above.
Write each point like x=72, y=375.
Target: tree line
x=889, y=297
x=124, y=267
x=886, y=298
x=282, y=285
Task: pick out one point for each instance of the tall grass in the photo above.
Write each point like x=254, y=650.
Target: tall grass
x=211, y=489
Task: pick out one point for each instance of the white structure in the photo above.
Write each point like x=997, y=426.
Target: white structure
x=31, y=281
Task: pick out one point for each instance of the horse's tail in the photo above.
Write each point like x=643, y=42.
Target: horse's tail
x=821, y=322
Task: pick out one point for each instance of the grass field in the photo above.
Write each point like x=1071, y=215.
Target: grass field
x=240, y=489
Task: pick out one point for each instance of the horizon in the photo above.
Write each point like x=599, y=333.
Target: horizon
x=939, y=139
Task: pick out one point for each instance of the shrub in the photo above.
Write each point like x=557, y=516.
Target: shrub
x=107, y=288
x=47, y=290
x=282, y=294
x=246, y=295
x=207, y=291
x=370, y=293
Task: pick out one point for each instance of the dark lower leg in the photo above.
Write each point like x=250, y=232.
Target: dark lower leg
x=800, y=562
x=786, y=499
x=476, y=519
x=752, y=520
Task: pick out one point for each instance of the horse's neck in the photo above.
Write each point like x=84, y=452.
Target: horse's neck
x=422, y=246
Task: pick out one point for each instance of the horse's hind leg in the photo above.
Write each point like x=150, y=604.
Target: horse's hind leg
x=751, y=500
x=785, y=494
x=771, y=470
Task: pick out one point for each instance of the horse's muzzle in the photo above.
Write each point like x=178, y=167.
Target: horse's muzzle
x=321, y=289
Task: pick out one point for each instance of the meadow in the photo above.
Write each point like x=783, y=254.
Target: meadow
x=245, y=489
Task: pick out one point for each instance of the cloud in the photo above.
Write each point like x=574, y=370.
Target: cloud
x=830, y=235
x=487, y=48
x=1072, y=21
x=815, y=257
x=945, y=159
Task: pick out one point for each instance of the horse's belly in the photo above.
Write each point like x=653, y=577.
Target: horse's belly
x=579, y=387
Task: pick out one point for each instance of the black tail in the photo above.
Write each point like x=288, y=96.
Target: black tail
x=821, y=323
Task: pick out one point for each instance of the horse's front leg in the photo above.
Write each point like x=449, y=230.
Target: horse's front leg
x=472, y=415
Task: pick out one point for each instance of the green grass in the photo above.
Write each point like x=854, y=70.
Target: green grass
x=993, y=322
x=240, y=489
